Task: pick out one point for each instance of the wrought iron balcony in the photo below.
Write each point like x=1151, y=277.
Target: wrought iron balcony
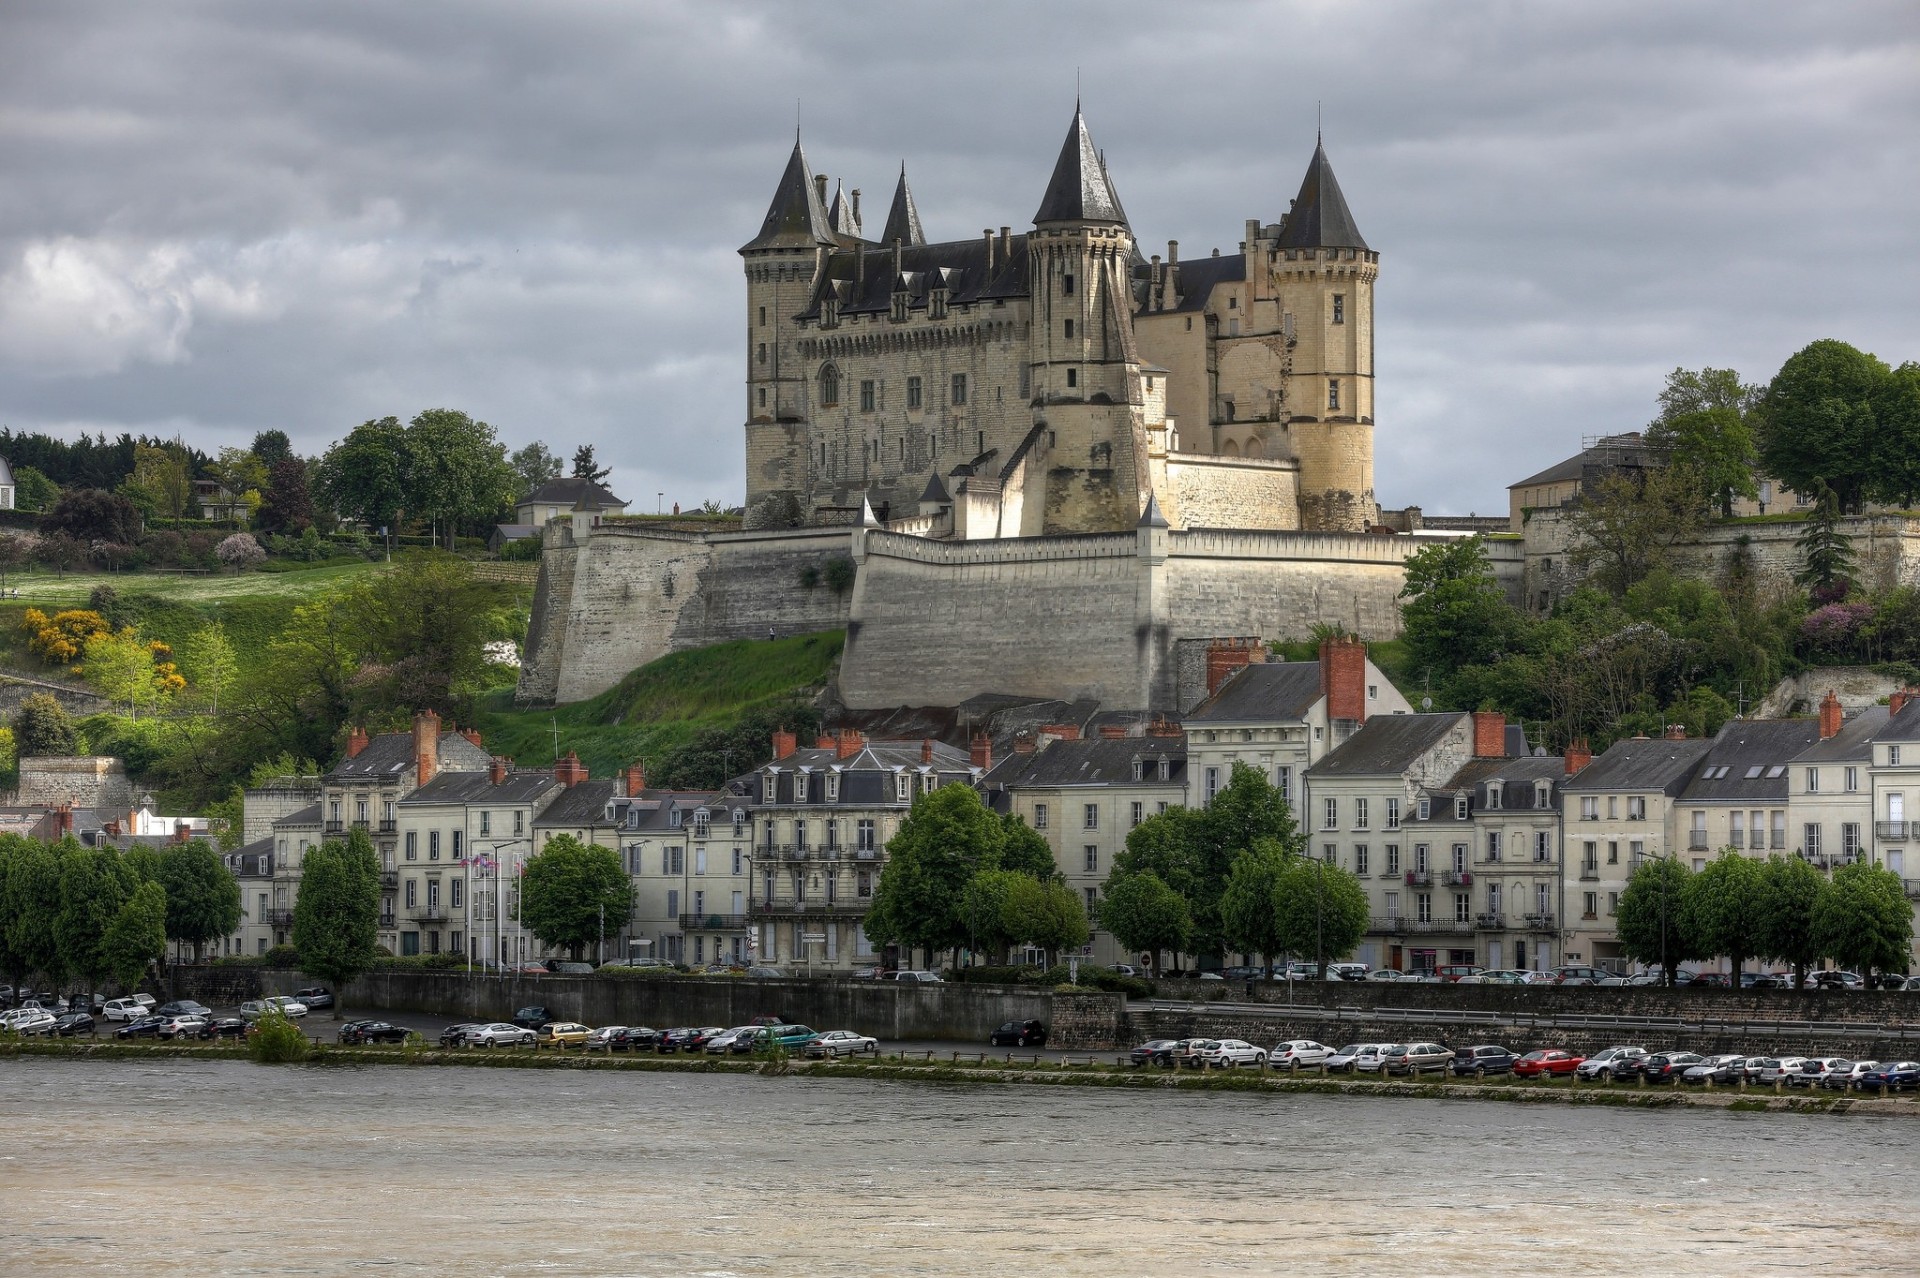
x=866, y=854
x=1390, y=925
x=427, y=913
x=334, y=827
x=1590, y=872
x=386, y=920
x=1458, y=878
x=1490, y=922
x=854, y=909
x=1419, y=878
x=279, y=918
x=1697, y=841
x=390, y=879
x=1892, y=829
x=388, y=827
x=1540, y=922
x=1913, y=889
x=711, y=922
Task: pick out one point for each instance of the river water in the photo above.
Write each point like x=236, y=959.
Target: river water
x=231, y=1168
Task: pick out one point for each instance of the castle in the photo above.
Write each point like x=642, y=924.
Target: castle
x=1059, y=467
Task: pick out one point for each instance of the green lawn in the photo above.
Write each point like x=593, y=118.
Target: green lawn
x=45, y=589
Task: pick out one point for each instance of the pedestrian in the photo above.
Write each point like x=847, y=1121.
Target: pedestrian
x=769, y=634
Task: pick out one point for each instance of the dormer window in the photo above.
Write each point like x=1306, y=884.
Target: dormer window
x=1459, y=807
x=772, y=787
x=1542, y=793
x=739, y=824
x=1139, y=769
x=1493, y=796
x=899, y=306
x=833, y=786
x=928, y=780
x=902, y=787
x=700, y=823
x=1424, y=808
x=937, y=304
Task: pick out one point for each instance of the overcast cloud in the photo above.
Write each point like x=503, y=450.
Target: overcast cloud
x=218, y=218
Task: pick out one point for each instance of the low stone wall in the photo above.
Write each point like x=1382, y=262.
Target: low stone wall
x=1877, y=1007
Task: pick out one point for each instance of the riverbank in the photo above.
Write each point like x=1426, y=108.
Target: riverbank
x=984, y=1069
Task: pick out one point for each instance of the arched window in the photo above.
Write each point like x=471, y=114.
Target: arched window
x=829, y=386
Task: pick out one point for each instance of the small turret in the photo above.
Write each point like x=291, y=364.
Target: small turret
x=903, y=219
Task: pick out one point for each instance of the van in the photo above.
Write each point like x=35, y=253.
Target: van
x=1451, y=972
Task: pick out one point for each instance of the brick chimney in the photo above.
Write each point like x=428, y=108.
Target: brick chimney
x=926, y=750
x=426, y=746
x=636, y=778
x=182, y=832
x=569, y=771
x=1830, y=715
x=852, y=741
x=824, y=741
x=1225, y=657
x=1343, y=677
x=1025, y=743
x=473, y=735
x=1896, y=703
x=1489, y=734
x=496, y=769
x=356, y=741
x=1676, y=732
x=1578, y=756
x=1060, y=731
x=981, y=751
x=784, y=743
x=63, y=820
x=1113, y=732
x=1160, y=726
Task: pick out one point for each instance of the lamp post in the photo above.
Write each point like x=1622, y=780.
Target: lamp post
x=499, y=934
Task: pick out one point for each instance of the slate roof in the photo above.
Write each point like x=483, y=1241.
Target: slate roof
x=1264, y=693
x=960, y=266
x=583, y=804
x=935, y=491
x=1652, y=764
x=1558, y=473
x=865, y=777
x=1093, y=761
x=519, y=786
x=903, y=219
x=1151, y=516
x=1904, y=726
x=391, y=753
x=1320, y=217
x=841, y=215
x=568, y=491
x=307, y=816
x=1517, y=777
x=1853, y=743
x=1079, y=190
x=1755, y=754
x=1385, y=745
x=795, y=216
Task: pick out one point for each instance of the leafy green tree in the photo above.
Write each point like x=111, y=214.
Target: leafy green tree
x=33, y=490
x=93, y=514
x=41, y=726
x=122, y=668
x=1652, y=918
x=287, y=507
x=584, y=467
x=1046, y=914
x=1864, y=921
x=161, y=473
x=1790, y=895
x=947, y=837
x=336, y=915
x=1146, y=915
x=1628, y=524
x=272, y=447
x=364, y=476
x=420, y=631
x=240, y=473
x=1026, y=850
x=29, y=906
x=1826, y=553
x=136, y=937
x=1817, y=421
x=1896, y=421
x=533, y=466
x=211, y=662
x=93, y=887
x=1321, y=910
x=573, y=894
x=1249, y=905
x=1715, y=448
x=1455, y=613
x=203, y=897
x=456, y=470
x=1246, y=810
x=1723, y=908
x=991, y=928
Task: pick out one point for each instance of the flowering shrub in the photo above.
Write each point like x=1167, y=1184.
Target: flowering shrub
x=240, y=551
x=1835, y=628
x=58, y=639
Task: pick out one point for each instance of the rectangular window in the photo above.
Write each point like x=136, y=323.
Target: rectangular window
x=1093, y=903
x=1493, y=845
x=1423, y=807
x=1212, y=783
x=1073, y=377
x=1332, y=819
x=1360, y=859
x=454, y=893
x=457, y=835
x=1339, y=308
x=1853, y=780
x=1636, y=807
x=413, y=893
x=1590, y=808
x=1092, y=859
x=736, y=860
x=1333, y=392
x=1778, y=827
x=1737, y=828
x=1359, y=814
x=959, y=389
x=863, y=831
x=1590, y=905
x=486, y=823
x=1283, y=782
x=1543, y=845
x=1069, y=330
x=700, y=859
x=1393, y=814
x=1850, y=840
x=1423, y=906
x=1330, y=854
x=866, y=395
x=863, y=884
x=1613, y=904
x=1460, y=807
x=1462, y=908
x=1613, y=852
x=1893, y=756
x=433, y=845
x=913, y=392
x=1613, y=807
x=1393, y=859
x=673, y=903
x=1813, y=780
x=1810, y=836
x=1091, y=818
x=1139, y=813
x=413, y=845
x=1039, y=816
x=1066, y=286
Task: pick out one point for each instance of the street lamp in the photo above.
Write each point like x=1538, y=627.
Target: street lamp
x=499, y=935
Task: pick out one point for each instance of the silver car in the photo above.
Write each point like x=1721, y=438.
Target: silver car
x=499, y=1034
x=1418, y=1058
x=1606, y=1065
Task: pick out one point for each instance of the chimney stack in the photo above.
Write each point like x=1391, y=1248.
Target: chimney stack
x=824, y=741
x=1489, y=734
x=1160, y=726
x=182, y=832
x=1343, y=677
x=356, y=741
x=784, y=743
x=426, y=746
x=63, y=820
x=1225, y=657
x=926, y=750
x=1113, y=732
x=1830, y=715
x=496, y=769
x=473, y=735
x=1024, y=743
x=1898, y=701
x=820, y=187
x=1578, y=756
x=569, y=771
x=987, y=235
x=856, y=209
x=636, y=777
x=981, y=752
x=1676, y=732
x=1060, y=731
x=852, y=741
x=1006, y=244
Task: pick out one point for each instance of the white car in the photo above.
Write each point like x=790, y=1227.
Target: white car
x=1348, y=1058
x=499, y=1034
x=1387, y=974
x=1298, y=1053
x=1604, y=1065
x=30, y=1020
x=1374, y=1061
x=180, y=1027
x=922, y=976
x=1776, y=1068
x=291, y=1008
x=144, y=1000
x=1346, y=971
x=1231, y=1053
x=124, y=1009
x=838, y=1043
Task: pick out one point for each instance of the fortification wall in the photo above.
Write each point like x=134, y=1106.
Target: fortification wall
x=1218, y=492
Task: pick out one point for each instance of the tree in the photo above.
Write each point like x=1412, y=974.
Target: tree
x=584, y=468
x=1146, y=915
x=1723, y=907
x=33, y=490
x=272, y=447
x=573, y=894
x=1790, y=893
x=1026, y=850
x=533, y=466
x=1715, y=447
x=947, y=837
x=1172, y=846
x=203, y=897
x=161, y=475
x=211, y=662
x=991, y=929
x=1864, y=921
x=420, y=631
x=1816, y=420
x=14, y=551
x=59, y=550
x=1047, y=915
x=240, y=552
x=1896, y=438
x=92, y=514
x=1651, y=919
x=93, y=886
x=136, y=936
x=336, y=914
x=1826, y=553
x=364, y=476
x=1455, y=613
x=456, y=470
x=29, y=906
x=1627, y=525
x=42, y=727
x=288, y=507
x=1322, y=910
x=122, y=668
x=1249, y=909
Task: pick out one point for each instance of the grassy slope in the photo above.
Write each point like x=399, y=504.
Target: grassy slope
x=664, y=703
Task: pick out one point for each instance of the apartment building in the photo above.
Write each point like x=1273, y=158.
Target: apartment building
x=1830, y=799
x=1615, y=811
x=1737, y=797
x=1895, y=778
x=1084, y=797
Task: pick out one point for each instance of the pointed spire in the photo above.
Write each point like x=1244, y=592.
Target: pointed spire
x=796, y=217
x=1079, y=190
x=867, y=518
x=903, y=219
x=1320, y=218
x=840, y=216
x=1151, y=516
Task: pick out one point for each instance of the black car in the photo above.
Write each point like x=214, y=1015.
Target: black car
x=315, y=997
x=74, y=1023
x=634, y=1038
x=1665, y=1067
x=1019, y=1034
x=145, y=1027
x=455, y=1035
x=183, y=1007
x=674, y=1040
x=372, y=1032
x=1478, y=1062
x=1157, y=1051
x=224, y=1027
x=533, y=1017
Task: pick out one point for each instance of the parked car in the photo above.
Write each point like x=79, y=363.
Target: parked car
x=1496, y=976
x=1156, y=1051
x=1775, y=1069
x=1347, y=1059
x=761, y=972
x=145, y=1027
x=1715, y=1069
x=315, y=996
x=1233, y=1053
x=1814, y=1070
x=533, y=1017
x=223, y=1027
x=30, y=1021
x=701, y=1036
x=923, y=977
x=601, y=1040
x=1298, y=1053
x=1346, y=971
x=1763, y=981
x=456, y=1035
x=1604, y=1066
x=74, y=1023
x=788, y=1037
x=1478, y=1062
x=561, y=1034
x=123, y=1009
x=1193, y=1055
x=371, y=1032
x=722, y=1044
x=499, y=1034
x=1386, y=974
x=1417, y=1058
x=1836, y=981
x=1454, y=972
x=1898, y=1076
x=180, y=1026
x=290, y=1007
x=837, y=1043
x=183, y=1007
x=1668, y=1066
x=1550, y=1062
x=634, y=1038
x=1019, y=1034
x=1847, y=1074
x=1575, y=974
x=568, y=967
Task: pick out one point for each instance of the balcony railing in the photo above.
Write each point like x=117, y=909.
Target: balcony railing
x=1540, y=922
x=389, y=879
x=386, y=920
x=1913, y=889
x=334, y=827
x=854, y=909
x=1419, y=878
x=1458, y=878
x=711, y=922
x=866, y=854
x=388, y=827
x=279, y=918
x=1590, y=873
x=1490, y=922
x=427, y=913
x=1697, y=841
x=1891, y=829
x=1390, y=925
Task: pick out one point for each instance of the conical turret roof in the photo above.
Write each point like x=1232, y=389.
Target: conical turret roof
x=1320, y=217
x=796, y=216
x=840, y=216
x=1079, y=191
x=903, y=219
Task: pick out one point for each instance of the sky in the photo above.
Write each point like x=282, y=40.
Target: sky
x=220, y=218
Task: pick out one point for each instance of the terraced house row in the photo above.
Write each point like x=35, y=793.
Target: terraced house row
x=1473, y=848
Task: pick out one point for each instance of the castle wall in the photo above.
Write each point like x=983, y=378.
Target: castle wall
x=1220, y=492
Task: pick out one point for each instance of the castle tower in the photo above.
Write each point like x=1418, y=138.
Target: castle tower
x=1084, y=362
x=1323, y=273
x=903, y=219
x=782, y=264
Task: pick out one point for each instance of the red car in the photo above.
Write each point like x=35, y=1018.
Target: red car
x=1550, y=1062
